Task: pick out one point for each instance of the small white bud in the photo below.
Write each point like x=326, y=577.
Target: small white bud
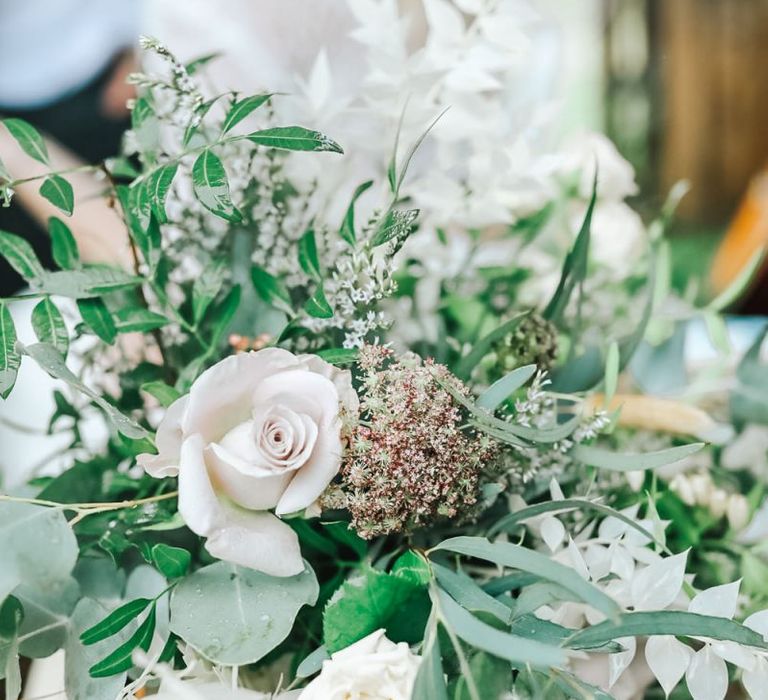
x=681, y=485
x=738, y=511
x=718, y=503
x=636, y=479
x=702, y=488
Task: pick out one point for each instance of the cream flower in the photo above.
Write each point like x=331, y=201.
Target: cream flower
x=373, y=668
x=259, y=431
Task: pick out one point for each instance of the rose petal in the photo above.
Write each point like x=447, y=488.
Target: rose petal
x=168, y=441
x=302, y=392
x=341, y=378
x=222, y=396
x=250, y=538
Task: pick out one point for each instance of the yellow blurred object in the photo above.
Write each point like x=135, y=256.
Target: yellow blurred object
x=746, y=235
x=662, y=415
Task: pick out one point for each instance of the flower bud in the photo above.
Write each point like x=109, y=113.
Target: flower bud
x=738, y=511
x=718, y=503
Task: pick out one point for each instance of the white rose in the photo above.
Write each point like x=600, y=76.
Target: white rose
x=257, y=432
x=373, y=668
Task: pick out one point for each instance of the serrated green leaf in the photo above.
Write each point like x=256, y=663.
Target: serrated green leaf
x=271, y=289
x=606, y=459
x=98, y=319
x=121, y=658
x=20, y=256
x=294, y=138
x=412, y=567
x=395, y=225
x=373, y=601
x=317, y=305
x=58, y=192
x=527, y=560
x=241, y=109
x=63, y=245
x=10, y=359
x=209, y=180
x=49, y=326
x=28, y=138
x=165, y=394
x=502, y=389
x=171, y=562
x=308, y=260
x=86, y=283
x=347, y=230
x=115, y=621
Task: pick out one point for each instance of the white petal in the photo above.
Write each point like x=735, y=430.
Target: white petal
x=258, y=540
x=577, y=561
x=758, y=622
x=552, y=532
x=555, y=491
x=168, y=442
x=657, y=585
x=198, y=503
x=718, y=601
x=618, y=663
x=668, y=659
x=707, y=675
x=756, y=680
x=734, y=653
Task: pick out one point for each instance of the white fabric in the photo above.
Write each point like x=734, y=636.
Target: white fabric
x=50, y=48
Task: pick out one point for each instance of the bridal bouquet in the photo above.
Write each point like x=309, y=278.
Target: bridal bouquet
x=313, y=485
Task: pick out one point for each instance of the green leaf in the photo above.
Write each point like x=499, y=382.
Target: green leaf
x=157, y=186
x=339, y=356
x=611, y=372
x=206, y=287
x=575, y=266
x=196, y=64
x=98, y=319
x=395, y=224
x=21, y=256
x=312, y=663
x=523, y=559
x=412, y=567
x=86, y=283
x=115, y=621
x=430, y=681
x=197, y=120
x=308, y=259
x=483, y=346
x=347, y=230
x=412, y=151
x=171, y=562
x=469, y=595
x=28, y=138
x=673, y=622
x=165, y=394
x=49, y=325
x=372, y=601
x=235, y=616
x=294, y=138
x=502, y=389
x=242, y=108
x=211, y=186
x=58, y=192
x=520, y=651
x=64, y=247
x=317, y=305
x=120, y=659
x=10, y=359
x=138, y=320
x=490, y=673
x=52, y=362
x=271, y=289
x=26, y=529
x=224, y=313
x=605, y=459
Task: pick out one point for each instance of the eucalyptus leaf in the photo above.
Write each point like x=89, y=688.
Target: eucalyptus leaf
x=10, y=359
x=430, y=680
x=483, y=346
x=48, y=604
x=614, y=461
x=294, y=138
x=28, y=138
x=518, y=557
x=49, y=326
x=502, y=389
x=63, y=245
x=58, y=192
x=235, y=616
x=469, y=595
x=312, y=663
